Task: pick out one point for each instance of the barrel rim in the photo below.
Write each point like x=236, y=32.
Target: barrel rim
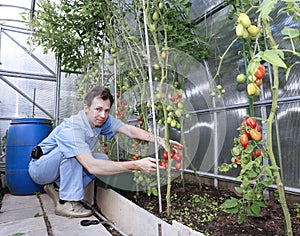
x=31, y=121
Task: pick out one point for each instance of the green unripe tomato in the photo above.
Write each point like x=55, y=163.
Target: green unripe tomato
x=155, y=16
x=253, y=30
x=173, y=123
x=241, y=78
x=244, y=20
x=180, y=105
x=239, y=30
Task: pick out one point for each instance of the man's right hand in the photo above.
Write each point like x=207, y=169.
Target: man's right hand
x=146, y=164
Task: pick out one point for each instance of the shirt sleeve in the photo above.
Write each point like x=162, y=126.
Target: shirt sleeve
x=109, y=129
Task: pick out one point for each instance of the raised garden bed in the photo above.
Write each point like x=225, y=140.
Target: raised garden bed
x=194, y=211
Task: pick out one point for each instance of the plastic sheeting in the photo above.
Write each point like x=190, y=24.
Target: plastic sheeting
x=217, y=121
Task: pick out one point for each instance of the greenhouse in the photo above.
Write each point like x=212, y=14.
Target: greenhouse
x=149, y=117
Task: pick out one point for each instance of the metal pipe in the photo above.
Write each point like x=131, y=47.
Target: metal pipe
x=25, y=96
x=16, y=29
x=33, y=105
x=57, y=91
x=233, y=179
x=211, y=12
x=14, y=6
x=28, y=75
x=246, y=105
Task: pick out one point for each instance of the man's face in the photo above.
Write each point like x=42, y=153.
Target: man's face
x=98, y=112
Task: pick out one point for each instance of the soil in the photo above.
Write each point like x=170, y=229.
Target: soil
x=199, y=208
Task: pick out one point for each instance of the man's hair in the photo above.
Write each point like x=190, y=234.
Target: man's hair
x=98, y=91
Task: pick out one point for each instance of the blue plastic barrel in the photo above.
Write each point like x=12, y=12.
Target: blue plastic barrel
x=23, y=135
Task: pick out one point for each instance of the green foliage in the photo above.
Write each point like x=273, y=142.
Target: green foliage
x=72, y=30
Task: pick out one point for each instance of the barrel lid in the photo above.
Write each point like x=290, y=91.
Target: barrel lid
x=31, y=121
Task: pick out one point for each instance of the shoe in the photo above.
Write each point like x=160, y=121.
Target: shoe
x=52, y=193
x=72, y=209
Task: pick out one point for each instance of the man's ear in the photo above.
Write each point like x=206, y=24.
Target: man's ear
x=86, y=108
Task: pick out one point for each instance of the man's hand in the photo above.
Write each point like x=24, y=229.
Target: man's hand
x=175, y=145
x=146, y=164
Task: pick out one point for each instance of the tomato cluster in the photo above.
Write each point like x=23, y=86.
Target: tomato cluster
x=246, y=146
x=244, y=27
x=175, y=155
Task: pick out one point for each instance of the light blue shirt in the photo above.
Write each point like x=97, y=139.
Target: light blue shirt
x=75, y=136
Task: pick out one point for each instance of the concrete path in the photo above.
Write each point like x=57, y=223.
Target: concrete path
x=23, y=215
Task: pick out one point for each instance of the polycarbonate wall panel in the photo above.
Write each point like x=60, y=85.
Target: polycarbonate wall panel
x=288, y=123
x=220, y=32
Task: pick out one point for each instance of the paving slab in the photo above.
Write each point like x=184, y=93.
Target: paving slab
x=24, y=215
x=21, y=215
x=70, y=226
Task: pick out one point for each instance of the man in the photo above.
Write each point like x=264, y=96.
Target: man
x=66, y=159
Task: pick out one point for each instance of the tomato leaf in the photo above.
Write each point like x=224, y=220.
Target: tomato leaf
x=230, y=205
x=251, y=174
x=241, y=218
x=239, y=190
x=255, y=209
x=274, y=57
x=224, y=167
x=266, y=7
x=290, y=32
x=250, y=196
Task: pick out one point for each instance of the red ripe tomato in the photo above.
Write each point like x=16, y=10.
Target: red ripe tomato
x=180, y=147
x=105, y=152
x=124, y=102
x=172, y=154
x=164, y=164
x=258, y=154
x=255, y=135
x=178, y=157
x=260, y=72
x=251, y=122
x=165, y=155
x=178, y=165
x=244, y=140
x=118, y=94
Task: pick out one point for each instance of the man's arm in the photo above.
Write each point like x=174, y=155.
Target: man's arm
x=107, y=167
x=141, y=134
